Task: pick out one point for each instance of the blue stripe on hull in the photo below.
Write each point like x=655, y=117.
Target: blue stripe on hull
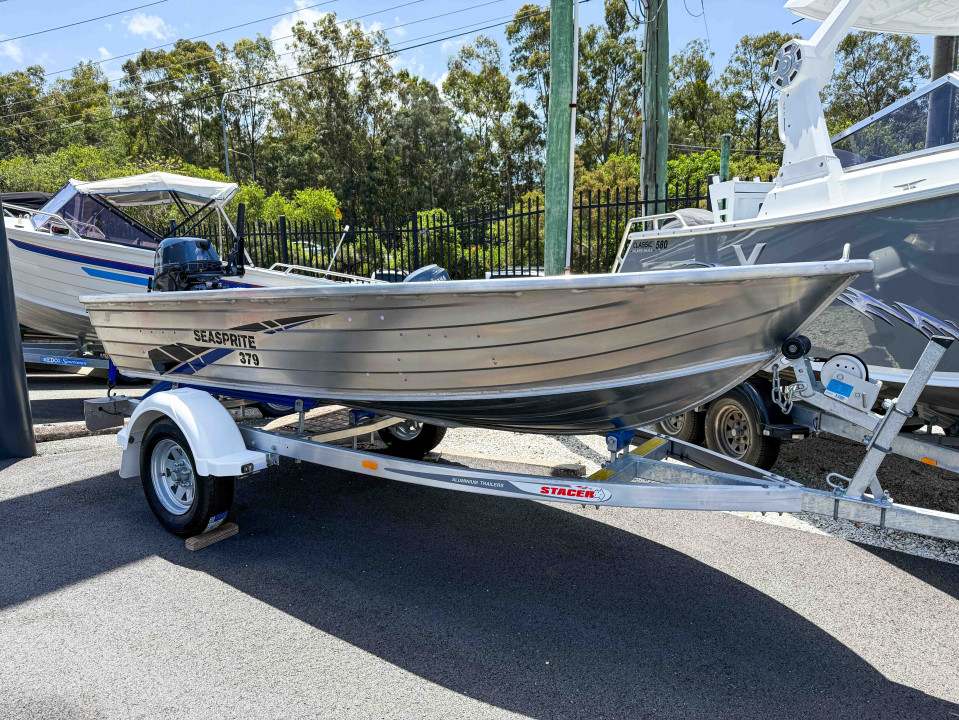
x=117, y=277
x=86, y=259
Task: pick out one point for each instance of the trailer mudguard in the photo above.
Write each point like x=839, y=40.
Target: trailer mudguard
x=215, y=441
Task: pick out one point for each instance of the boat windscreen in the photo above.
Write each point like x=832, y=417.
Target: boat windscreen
x=94, y=219
x=927, y=120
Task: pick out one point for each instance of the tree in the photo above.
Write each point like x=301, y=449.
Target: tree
x=250, y=63
x=696, y=104
x=424, y=148
x=336, y=114
x=167, y=101
x=528, y=35
x=481, y=93
x=873, y=71
x=751, y=94
x=610, y=87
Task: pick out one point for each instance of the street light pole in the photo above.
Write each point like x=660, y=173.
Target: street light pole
x=246, y=155
x=226, y=150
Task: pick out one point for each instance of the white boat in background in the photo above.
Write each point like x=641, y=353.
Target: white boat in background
x=83, y=243
x=888, y=186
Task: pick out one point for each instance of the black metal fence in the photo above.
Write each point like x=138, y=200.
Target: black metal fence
x=495, y=240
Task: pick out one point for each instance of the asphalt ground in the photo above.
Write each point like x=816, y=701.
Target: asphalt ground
x=58, y=397
x=347, y=596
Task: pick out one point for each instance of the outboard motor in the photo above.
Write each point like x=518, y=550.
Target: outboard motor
x=185, y=263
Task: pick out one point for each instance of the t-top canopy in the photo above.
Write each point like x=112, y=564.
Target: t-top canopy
x=157, y=188
x=913, y=17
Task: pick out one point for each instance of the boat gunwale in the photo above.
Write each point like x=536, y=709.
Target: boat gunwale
x=570, y=283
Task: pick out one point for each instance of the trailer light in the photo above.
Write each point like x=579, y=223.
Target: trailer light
x=369, y=465
x=248, y=468
x=928, y=461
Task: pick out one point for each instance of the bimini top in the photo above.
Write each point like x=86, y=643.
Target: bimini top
x=157, y=188
x=915, y=17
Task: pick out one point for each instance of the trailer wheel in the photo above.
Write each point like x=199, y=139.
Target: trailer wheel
x=733, y=429
x=185, y=503
x=412, y=440
x=689, y=427
x=274, y=410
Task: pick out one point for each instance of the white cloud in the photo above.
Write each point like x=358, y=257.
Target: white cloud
x=12, y=50
x=439, y=83
x=399, y=31
x=104, y=53
x=449, y=46
x=149, y=25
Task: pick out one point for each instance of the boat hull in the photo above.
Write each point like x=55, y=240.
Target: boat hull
x=552, y=355
x=916, y=253
x=51, y=272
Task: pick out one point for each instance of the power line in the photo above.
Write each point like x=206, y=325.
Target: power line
x=195, y=37
x=263, y=83
x=211, y=57
x=735, y=150
x=83, y=22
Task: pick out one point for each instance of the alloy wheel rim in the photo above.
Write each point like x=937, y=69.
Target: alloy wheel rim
x=407, y=430
x=673, y=425
x=174, y=481
x=732, y=430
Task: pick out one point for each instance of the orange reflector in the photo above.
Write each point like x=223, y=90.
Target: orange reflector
x=928, y=461
x=369, y=465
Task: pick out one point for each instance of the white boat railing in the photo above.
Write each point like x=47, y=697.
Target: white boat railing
x=657, y=221
x=30, y=211
x=288, y=269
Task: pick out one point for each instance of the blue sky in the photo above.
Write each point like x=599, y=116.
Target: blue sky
x=132, y=30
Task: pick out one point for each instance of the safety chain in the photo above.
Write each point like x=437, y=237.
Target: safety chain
x=783, y=399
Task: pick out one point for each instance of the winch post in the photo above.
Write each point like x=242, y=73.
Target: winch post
x=899, y=411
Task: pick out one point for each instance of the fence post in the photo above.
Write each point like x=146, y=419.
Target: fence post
x=284, y=246
x=416, y=241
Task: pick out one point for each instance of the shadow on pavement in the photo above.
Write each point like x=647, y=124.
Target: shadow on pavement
x=940, y=575
x=519, y=605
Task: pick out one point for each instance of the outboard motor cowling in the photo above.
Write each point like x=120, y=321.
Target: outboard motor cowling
x=185, y=263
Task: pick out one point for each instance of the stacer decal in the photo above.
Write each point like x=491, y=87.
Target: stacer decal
x=571, y=493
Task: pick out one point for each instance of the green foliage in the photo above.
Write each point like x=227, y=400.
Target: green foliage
x=874, y=71
x=698, y=108
x=752, y=96
x=697, y=167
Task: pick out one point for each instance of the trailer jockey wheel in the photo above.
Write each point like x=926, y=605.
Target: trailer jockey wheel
x=689, y=427
x=185, y=503
x=410, y=439
x=794, y=348
x=733, y=429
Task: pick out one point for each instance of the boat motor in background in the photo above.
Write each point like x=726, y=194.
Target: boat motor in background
x=186, y=263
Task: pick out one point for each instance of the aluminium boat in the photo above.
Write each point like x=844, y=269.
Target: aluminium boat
x=555, y=355
x=888, y=186
x=82, y=242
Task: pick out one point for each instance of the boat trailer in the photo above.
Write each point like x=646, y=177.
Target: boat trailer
x=644, y=470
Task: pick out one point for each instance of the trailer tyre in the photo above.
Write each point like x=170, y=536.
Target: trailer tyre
x=411, y=439
x=689, y=427
x=185, y=503
x=733, y=429
x=274, y=410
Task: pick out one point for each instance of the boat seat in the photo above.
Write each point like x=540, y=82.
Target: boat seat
x=692, y=216
x=427, y=273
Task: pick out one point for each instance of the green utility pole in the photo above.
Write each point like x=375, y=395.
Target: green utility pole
x=724, y=157
x=558, y=133
x=655, y=102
